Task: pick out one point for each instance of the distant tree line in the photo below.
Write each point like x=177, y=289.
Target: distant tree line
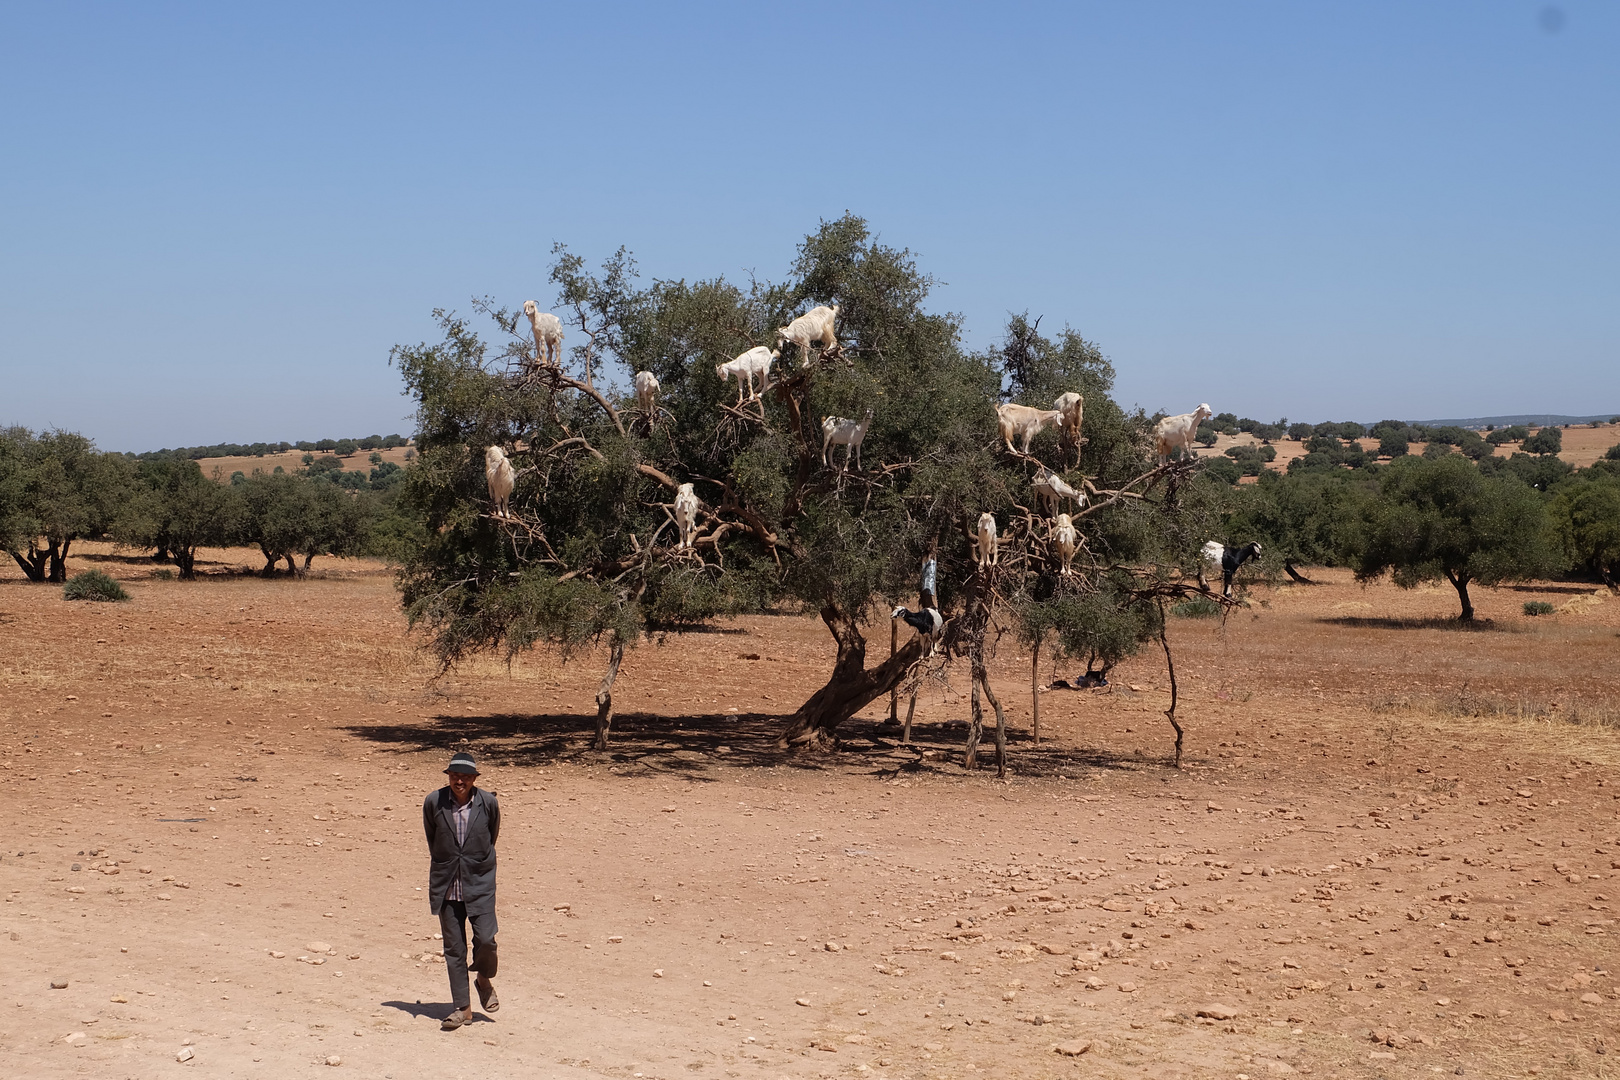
x=56, y=489
x=1445, y=515
x=340, y=447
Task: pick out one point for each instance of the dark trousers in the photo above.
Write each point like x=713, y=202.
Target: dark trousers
x=453, y=919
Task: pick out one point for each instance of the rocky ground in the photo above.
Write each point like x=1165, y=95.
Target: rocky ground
x=1392, y=850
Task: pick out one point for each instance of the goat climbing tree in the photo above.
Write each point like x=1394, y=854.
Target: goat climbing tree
x=589, y=553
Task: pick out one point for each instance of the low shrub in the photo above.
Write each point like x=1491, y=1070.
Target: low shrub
x=1537, y=607
x=1198, y=607
x=93, y=585
x=163, y=575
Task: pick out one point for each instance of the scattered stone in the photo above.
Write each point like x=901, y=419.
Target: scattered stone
x=78, y=1038
x=1558, y=1016
x=1073, y=1048
x=802, y=1001
x=1116, y=904
x=59, y=984
x=1591, y=999
x=832, y=946
x=119, y=999
x=334, y=1060
x=185, y=1054
x=1545, y=920
x=1493, y=936
x=1052, y=950
x=615, y=939
x=1220, y=1012
x=947, y=956
x=658, y=973
x=1127, y=988
x=318, y=947
x=274, y=955
x=1381, y=1055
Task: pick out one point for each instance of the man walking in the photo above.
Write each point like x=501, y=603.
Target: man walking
x=462, y=823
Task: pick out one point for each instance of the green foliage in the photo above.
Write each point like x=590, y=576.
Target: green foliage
x=1444, y=518
x=55, y=488
x=1199, y=607
x=1514, y=433
x=1537, y=607
x=1612, y=453
x=1585, y=514
x=93, y=585
x=1549, y=440
x=178, y=509
x=1310, y=517
x=1392, y=445
x=1300, y=432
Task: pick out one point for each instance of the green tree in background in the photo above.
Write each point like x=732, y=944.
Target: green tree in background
x=1586, y=516
x=55, y=488
x=1444, y=518
x=178, y=509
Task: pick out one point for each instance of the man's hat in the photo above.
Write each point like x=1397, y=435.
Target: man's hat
x=463, y=763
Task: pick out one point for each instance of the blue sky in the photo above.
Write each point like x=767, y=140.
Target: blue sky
x=216, y=219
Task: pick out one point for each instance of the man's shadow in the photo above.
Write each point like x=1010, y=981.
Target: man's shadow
x=435, y=1010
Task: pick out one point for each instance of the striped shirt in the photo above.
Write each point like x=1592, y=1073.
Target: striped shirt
x=460, y=815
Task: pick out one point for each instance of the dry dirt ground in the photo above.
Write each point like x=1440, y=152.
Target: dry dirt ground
x=1392, y=851
x=221, y=468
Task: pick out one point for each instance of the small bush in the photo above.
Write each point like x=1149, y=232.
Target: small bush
x=163, y=575
x=1198, y=607
x=1537, y=607
x=93, y=585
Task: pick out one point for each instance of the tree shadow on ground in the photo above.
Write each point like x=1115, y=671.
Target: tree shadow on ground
x=654, y=746
x=1579, y=590
x=1431, y=623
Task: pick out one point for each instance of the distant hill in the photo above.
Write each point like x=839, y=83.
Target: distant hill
x=1528, y=419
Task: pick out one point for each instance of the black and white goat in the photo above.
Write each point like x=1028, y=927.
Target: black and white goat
x=1226, y=560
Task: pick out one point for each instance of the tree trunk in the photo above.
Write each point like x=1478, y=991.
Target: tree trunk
x=33, y=564
x=851, y=688
x=1001, y=723
x=1288, y=565
x=270, y=560
x=905, y=732
x=185, y=560
x=1460, y=582
x=604, y=694
x=59, y=561
x=292, y=565
x=309, y=557
x=1170, y=664
x=970, y=757
x=894, y=695
x=1035, y=688
x=162, y=553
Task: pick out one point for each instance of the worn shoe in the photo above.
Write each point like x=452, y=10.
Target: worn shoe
x=456, y=1019
x=486, y=994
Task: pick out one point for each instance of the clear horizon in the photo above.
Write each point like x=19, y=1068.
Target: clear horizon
x=218, y=221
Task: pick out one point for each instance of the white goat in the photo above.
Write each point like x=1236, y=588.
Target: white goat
x=986, y=550
x=756, y=361
x=1176, y=432
x=686, y=508
x=836, y=431
x=1073, y=408
x=548, y=335
x=646, y=392
x=1054, y=490
x=817, y=324
x=498, y=472
x=1067, y=541
x=1023, y=421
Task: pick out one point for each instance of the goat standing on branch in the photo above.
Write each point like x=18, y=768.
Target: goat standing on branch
x=1021, y=421
x=756, y=361
x=817, y=324
x=1073, y=408
x=501, y=479
x=1067, y=542
x=686, y=509
x=548, y=335
x=837, y=431
x=1177, y=432
x=986, y=549
x=647, y=394
x=1053, y=490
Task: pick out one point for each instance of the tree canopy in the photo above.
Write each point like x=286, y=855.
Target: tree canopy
x=590, y=550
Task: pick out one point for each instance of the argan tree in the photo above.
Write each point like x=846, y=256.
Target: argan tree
x=1443, y=518
x=589, y=553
